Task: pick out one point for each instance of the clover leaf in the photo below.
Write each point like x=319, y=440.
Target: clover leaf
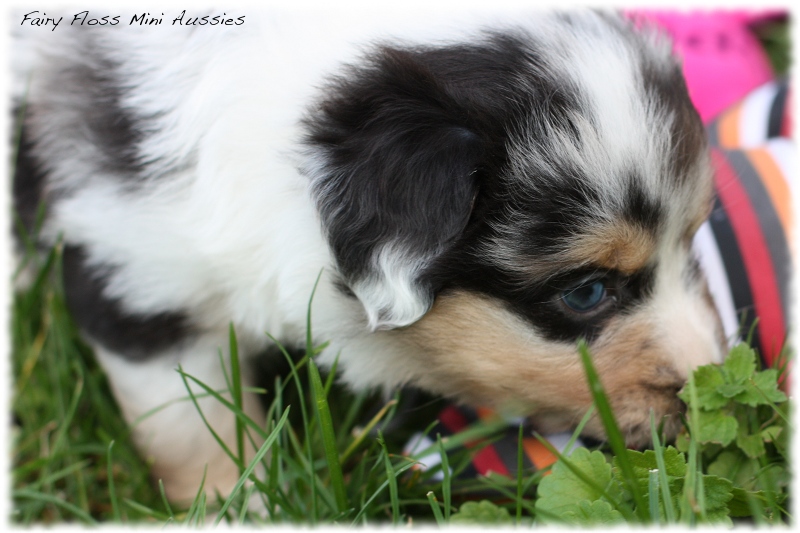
x=482, y=512
x=561, y=493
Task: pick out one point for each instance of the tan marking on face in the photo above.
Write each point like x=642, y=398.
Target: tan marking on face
x=468, y=347
x=616, y=245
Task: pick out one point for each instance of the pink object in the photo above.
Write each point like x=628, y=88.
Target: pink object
x=722, y=59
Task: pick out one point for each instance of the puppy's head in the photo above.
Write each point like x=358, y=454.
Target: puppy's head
x=493, y=201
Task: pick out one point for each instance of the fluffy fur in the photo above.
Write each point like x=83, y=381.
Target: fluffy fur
x=454, y=187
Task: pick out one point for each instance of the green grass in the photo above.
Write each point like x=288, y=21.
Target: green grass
x=66, y=426
x=326, y=462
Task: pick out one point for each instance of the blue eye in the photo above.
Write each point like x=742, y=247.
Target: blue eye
x=584, y=298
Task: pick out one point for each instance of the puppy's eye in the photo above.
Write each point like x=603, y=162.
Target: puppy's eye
x=586, y=296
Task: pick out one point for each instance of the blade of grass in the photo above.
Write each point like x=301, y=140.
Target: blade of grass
x=493, y=481
x=217, y=394
x=475, y=432
x=199, y=498
x=112, y=491
x=752, y=330
x=218, y=397
x=309, y=469
x=164, y=499
x=69, y=415
x=348, y=424
x=34, y=353
x=238, y=460
x=328, y=437
x=313, y=515
x=765, y=480
x=669, y=511
x=48, y=498
x=366, y=431
x=615, y=438
x=391, y=477
x=378, y=491
x=689, y=497
x=275, y=479
x=146, y=511
x=756, y=509
x=247, y=495
x=185, y=377
x=653, y=492
x=310, y=353
x=701, y=491
x=437, y=513
x=256, y=460
x=331, y=374
x=446, y=481
x=535, y=479
x=236, y=392
x=49, y=266
x=53, y=477
x=579, y=430
x=198, y=519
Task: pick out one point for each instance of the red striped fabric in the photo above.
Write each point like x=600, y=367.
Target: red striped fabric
x=486, y=460
x=755, y=254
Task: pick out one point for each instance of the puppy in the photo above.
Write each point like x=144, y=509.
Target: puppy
x=473, y=198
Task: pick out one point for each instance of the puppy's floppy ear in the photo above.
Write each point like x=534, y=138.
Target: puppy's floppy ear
x=392, y=160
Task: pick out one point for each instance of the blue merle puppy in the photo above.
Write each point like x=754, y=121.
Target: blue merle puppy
x=477, y=196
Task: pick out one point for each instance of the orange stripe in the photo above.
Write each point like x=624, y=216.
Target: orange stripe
x=771, y=176
x=728, y=128
x=486, y=414
x=537, y=453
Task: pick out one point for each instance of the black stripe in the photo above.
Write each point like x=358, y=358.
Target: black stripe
x=712, y=131
x=777, y=109
x=470, y=415
x=771, y=226
x=507, y=449
x=734, y=268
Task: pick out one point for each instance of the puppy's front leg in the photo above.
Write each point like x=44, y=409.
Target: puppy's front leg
x=167, y=426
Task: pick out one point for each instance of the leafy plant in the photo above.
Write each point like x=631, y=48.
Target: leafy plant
x=742, y=432
x=735, y=426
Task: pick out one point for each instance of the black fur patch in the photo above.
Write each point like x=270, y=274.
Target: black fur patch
x=136, y=337
x=90, y=87
x=411, y=136
x=640, y=209
x=114, y=128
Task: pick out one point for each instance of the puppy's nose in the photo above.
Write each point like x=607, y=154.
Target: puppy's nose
x=667, y=379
